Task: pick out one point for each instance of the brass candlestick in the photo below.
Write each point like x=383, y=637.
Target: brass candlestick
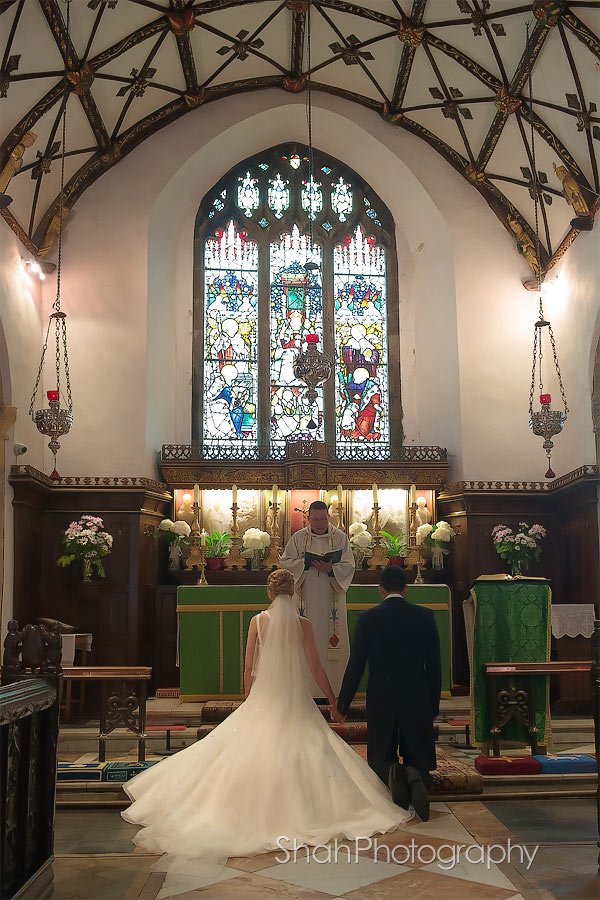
x=378, y=559
x=197, y=555
x=414, y=557
x=274, y=557
x=235, y=560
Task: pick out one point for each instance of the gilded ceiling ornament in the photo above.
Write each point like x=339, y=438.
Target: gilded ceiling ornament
x=351, y=53
x=241, y=47
x=505, y=102
x=194, y=100
x=82, y=79
x=294, y=85
x=15, y=160
x=11, y=66
x=107, y=4
x=182, y=23
x=548, y=11
x=113, y=154
x=139, y=84
x=411, y=35
x=390, y=115
x=525, y=245
x=571, y=190
x=476, y=176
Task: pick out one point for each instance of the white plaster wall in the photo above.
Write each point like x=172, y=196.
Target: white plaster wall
x=466, y=323
x=20, y=349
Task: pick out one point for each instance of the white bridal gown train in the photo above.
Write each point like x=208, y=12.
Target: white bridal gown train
x=273, y=773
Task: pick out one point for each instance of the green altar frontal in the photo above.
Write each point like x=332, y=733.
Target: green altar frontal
x=214, y=621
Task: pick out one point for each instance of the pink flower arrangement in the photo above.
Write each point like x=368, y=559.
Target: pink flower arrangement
x=519, y=547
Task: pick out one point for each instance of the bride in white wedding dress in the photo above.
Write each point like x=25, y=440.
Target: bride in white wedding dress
x=273, y=774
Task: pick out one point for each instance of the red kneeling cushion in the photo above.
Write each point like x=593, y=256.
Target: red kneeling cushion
x=508, y=765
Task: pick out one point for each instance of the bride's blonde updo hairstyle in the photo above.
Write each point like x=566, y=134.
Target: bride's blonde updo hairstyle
x=280, y=582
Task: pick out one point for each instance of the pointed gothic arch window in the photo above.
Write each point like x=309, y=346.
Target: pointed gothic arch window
x=255, y=303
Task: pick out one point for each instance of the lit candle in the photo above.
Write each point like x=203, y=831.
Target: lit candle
x=340, y=494
x=197, y=493
x=413, y=494
x=374, y=495
x=234, y=494
x=275, y=490
x=203, y=538
x=52, y=395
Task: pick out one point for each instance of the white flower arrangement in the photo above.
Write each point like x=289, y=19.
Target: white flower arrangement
x=361, y=541
x=356, y=528
x=423, y=531
x=437, y=537
x=255, y=539
x=86, y=539
x=173, y=532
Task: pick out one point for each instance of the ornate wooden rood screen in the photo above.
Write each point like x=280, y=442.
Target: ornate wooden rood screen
x=306, y=465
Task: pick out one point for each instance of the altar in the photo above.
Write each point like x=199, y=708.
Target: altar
x=214, y=621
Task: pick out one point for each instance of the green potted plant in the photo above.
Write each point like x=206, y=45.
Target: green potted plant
x=394, y=546
x=217, y=548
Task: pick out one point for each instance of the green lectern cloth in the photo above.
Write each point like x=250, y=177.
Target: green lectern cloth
x=511, y=624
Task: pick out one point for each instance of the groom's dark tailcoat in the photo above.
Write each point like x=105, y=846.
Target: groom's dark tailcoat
x=400, y=642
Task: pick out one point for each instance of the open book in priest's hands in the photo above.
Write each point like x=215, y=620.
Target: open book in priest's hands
x=334, y=556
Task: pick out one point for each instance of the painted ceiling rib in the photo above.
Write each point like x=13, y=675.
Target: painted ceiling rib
x=393, y=49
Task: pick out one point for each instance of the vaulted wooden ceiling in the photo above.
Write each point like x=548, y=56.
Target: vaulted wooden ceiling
x=453, y=72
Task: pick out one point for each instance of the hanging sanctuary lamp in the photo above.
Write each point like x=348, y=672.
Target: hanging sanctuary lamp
x=55, y=421
x=545, y=422
x=311, y=366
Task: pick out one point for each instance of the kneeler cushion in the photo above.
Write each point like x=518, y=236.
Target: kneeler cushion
x=508, y=765
x=567, y=763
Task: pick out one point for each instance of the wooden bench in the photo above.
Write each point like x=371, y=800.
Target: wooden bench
x=513, y=702
x=120, y=705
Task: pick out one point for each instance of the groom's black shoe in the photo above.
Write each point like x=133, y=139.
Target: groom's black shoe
x=418, y=793
x=398, y=785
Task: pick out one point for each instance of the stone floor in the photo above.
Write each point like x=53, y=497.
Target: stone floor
x=96, y=860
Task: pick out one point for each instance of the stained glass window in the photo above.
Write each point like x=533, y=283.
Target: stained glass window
x=359, y=285
x=312, y=198
x=278, y=195
x=230, y=343
x=296, y=310
x=248, y=194
x=341, y=199
x=255, y=228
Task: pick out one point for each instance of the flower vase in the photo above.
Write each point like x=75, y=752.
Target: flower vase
x=87, y=569
x=175, y=554
x=255, y=561
x=359, y=558
x=437, y=558
x=516, y=568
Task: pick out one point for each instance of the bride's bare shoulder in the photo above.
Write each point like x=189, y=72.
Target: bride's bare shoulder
x=306, y=623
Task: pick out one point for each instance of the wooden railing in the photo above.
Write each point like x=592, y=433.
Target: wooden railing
x=29, y=712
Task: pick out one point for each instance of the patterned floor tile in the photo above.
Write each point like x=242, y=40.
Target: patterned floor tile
x=334, y=877
x=254, y=887
x=409, y=848
x=445, y=827
x=418, y=884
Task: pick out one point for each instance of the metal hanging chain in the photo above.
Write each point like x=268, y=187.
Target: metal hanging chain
x=542, y=323
x=535, y=186
x=560, y=383
x=309, y=116
x=58, y=316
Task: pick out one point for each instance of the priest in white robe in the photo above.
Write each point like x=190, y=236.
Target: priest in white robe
x=321, y=589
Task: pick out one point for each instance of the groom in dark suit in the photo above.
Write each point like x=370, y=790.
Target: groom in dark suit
x=400, y=642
